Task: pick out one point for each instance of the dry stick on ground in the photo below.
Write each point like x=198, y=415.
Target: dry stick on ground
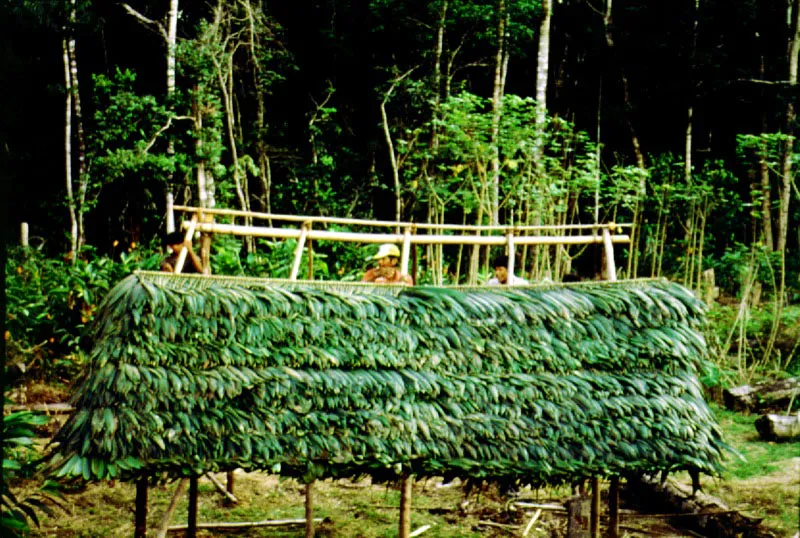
x=217, y=484
x=531, y=522
x=497, y=525
x=248, y=524
x=173, y=503
x=419, y=531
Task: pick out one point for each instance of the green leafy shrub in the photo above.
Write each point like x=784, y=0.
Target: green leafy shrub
x=17, y=514
x=50, y=302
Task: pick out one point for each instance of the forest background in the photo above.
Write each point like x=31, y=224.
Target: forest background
x=678, y=117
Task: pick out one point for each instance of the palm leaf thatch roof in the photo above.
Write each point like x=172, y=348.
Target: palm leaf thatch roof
x=191, y=374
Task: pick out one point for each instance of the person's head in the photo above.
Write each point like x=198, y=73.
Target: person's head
x=388, y=255
x=501, y=269
x=174, y=241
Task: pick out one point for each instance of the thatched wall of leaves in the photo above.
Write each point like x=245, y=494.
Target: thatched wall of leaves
x=191, y=374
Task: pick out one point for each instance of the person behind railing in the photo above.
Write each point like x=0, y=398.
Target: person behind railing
x=176, y=242
x=387, y=272
x=501, y=276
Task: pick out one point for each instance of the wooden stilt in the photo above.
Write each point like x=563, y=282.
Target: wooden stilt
x=594, y=527
x=405, y=505
x=140, y=526
x=613, y=507
x=230, y=481
x=191, y=527
x=310, y=510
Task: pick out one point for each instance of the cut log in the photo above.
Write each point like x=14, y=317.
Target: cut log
x=703, y=513
x=778, y=427
x=762, y=396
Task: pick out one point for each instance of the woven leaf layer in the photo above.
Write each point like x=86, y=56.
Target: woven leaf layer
x=193, y=374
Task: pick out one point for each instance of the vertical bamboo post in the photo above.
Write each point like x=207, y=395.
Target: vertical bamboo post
x=594, y=525
x=310, y=510
x=613, y=507
x=191, y=527
x=140, y=525
x=23, y=234
x=405, y=254
x=405, y=505
x=611, y=270
x=298, y=253
x=184, y=252
x=170, y=213
x=310, y=274
x=511, y=249
x=415, y=264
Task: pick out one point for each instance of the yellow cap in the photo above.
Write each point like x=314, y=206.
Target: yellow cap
x=385, y=250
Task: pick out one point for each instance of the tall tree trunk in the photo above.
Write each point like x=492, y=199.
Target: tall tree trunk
x=542, y=70
x=68, y=154
x=83, y=180
x=497, y=105
x=398, y=201
x=637, y=150
x=172, y=36
x=788, y=150
x=766, y=189
x=205, y=177
x=687, y=170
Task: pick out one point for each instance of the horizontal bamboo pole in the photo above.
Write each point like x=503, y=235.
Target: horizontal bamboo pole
x=423, y=239
x=392, y=224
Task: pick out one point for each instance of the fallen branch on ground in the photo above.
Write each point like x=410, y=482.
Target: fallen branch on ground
x=249, y=524
x=221, y=488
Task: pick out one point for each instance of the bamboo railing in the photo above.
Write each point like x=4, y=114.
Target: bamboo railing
x=407, y=234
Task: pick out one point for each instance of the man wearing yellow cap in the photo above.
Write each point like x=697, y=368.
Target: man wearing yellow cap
x=387, y=272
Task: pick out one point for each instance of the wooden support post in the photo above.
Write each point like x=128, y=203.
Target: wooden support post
x=511, y=250
x=594, y=521
x=23, y=234
x=184, y=251
x=611, y=269
x=140, y=526
x=405, y=254
x=298, y=253
x=310, y=275
x=170, y=213
x=414, y=263
x=310, y=510
x=613, y=508
x=191, y=527
x=230, y=481
x=405, y=505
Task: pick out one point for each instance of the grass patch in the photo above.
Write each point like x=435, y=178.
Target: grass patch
x=764, y=482
x=760, y=457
